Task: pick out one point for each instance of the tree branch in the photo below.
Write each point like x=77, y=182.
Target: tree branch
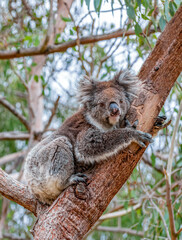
x=11, y=157
x=170, y=208
x=120, y=213
x=13, y=110
x=120, y=230
x=170, y=159
x=146, y=160
x=14, y=136
x=17, y=192
x=64, y=46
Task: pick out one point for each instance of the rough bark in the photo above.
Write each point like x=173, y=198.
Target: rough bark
x=17, y=192
x=70, y=217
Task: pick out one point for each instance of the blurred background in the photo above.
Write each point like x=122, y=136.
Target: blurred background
x=37, y=93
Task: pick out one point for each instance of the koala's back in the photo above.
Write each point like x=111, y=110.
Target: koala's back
x=50, y=163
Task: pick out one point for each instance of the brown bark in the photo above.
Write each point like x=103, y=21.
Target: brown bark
x=70, y=217
x=17, y=192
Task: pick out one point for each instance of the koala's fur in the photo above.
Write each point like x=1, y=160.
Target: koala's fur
x=97, y=131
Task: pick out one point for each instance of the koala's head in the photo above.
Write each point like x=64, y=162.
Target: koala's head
x=107, y=103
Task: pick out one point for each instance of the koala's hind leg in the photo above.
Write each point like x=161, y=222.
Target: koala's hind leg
x=62, y=166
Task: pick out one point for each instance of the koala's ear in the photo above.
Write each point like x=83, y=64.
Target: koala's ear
x=86, y=87
x=129, y=82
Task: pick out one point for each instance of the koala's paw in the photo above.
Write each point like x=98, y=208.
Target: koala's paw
x=77, y=178
x=128, y=124
x=159, y=124
x=141, y=138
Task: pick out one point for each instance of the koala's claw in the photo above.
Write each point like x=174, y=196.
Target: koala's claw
x=159, y=124
x=141, y=144
x=143, y=137
x=160, y=121
x=82, y=175
x=128, y=124
x=135, y=124
x=79, y=177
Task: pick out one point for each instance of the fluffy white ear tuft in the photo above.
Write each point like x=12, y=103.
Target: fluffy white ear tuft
x=129, y=82
x=86, y=87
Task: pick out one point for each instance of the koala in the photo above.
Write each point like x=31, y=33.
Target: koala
x=93, y=134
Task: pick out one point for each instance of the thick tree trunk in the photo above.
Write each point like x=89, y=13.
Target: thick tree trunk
x=71, y=217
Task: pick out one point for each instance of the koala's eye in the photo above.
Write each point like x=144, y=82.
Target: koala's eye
x=102, y=104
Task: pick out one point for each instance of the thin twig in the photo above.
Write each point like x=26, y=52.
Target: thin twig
x=53, y=111
x=179, y=85
x=13, y=110
x=4, y=211
x=120, y=213
x=121, y=230
x=154, y=15
x=170, y=159
x=106, y=57
x=178, y=232
x=170, y=208
x=146, y=160
x=50, y=28
x=93, y=11
x=154, y=205
x=18, y=75
x=78, y=40
x=145, y=36
x=91, y=49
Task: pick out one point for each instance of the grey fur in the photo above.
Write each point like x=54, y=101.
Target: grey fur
x=93, y=134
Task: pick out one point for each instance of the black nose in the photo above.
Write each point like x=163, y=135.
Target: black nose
x=114, y=108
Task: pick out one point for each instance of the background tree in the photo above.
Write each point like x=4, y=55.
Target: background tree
x=38, y=54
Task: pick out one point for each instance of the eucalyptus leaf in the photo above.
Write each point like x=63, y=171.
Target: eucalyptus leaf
x=87, y=3
x=138, y=29
x=66, y=19
x=36, y=78
x=162, y=23
x=131, y=12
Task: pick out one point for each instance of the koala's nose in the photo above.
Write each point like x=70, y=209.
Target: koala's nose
x=114, y=108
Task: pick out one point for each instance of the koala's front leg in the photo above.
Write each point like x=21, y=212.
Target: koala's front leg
x=94, y=145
